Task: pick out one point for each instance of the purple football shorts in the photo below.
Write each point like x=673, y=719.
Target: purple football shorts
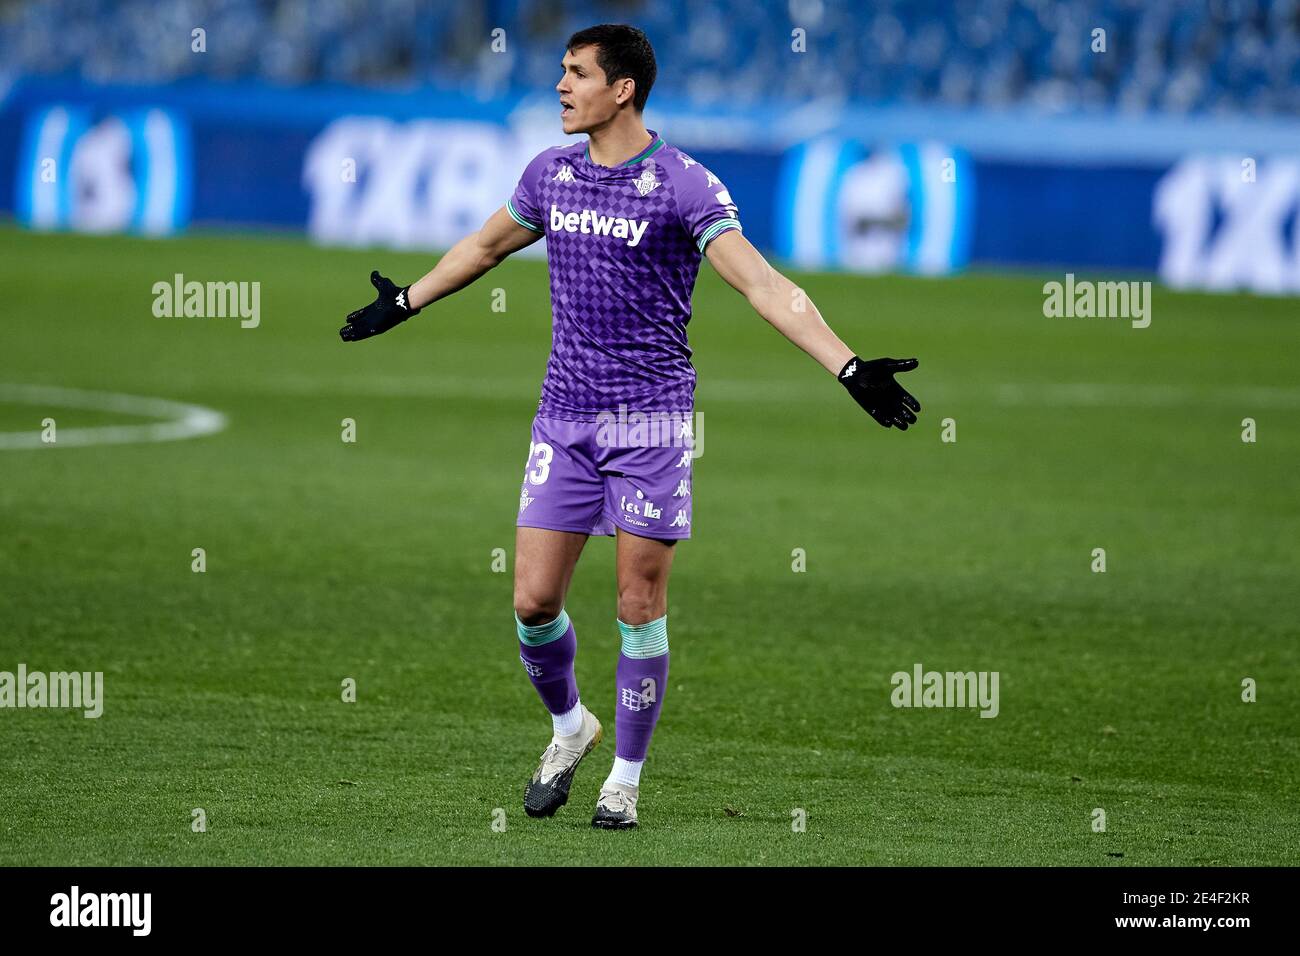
x=590, y=477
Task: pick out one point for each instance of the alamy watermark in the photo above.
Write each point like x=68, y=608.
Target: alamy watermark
x=75, y=689
x=922, y=688
x=77, y=908
x=637, y=429
x=1103, y=300
x=208, y=300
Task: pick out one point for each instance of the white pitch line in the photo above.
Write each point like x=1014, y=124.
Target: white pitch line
x=183, y=421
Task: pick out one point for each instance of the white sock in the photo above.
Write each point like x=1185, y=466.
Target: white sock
x=568, y=723
x=625, y=772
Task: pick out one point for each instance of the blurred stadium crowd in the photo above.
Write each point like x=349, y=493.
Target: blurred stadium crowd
x=1179, y=56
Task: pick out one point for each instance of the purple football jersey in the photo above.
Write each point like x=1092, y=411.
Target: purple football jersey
x=624, y=245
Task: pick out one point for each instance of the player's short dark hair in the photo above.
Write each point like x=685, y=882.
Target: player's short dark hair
x=623, y=52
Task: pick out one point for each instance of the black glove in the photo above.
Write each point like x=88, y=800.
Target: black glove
x=390, y=308
x=873, y=387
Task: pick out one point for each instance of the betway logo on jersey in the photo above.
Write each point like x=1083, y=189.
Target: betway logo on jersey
x=593, y=223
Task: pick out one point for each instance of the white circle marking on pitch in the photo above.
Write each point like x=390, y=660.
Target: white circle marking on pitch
x=182, y=420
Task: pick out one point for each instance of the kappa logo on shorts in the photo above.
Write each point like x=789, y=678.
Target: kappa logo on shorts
x=680, y=520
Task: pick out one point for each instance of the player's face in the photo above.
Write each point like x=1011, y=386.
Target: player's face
x=586, y=101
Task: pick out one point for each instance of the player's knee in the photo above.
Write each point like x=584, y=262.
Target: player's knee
x=640, y=605
x=534, y=610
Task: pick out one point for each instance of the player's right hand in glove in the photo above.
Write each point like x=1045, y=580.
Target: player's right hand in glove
x=873, y=387
x=390, y=308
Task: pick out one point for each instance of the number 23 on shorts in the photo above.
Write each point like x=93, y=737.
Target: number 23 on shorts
x=537, y=471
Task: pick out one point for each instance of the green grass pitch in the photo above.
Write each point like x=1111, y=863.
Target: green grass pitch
x=325, y=560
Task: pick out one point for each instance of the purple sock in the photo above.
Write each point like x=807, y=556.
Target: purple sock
x=641, y=685
x=548, y=651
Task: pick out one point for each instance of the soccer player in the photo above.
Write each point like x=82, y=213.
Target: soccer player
x=627, y=218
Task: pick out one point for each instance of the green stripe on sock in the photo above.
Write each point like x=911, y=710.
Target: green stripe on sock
x=645, y=640
x=538, y=634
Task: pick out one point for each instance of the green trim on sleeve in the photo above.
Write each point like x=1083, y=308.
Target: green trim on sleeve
x=715, y=230
x=514, y=214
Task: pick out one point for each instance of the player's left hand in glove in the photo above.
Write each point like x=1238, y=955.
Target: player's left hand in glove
x=392, y=307
x=873, y=387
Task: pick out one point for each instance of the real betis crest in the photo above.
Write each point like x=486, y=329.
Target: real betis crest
x=647, y=183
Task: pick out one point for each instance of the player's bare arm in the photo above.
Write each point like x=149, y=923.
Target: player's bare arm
x=789, y=310
x=470, y=258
